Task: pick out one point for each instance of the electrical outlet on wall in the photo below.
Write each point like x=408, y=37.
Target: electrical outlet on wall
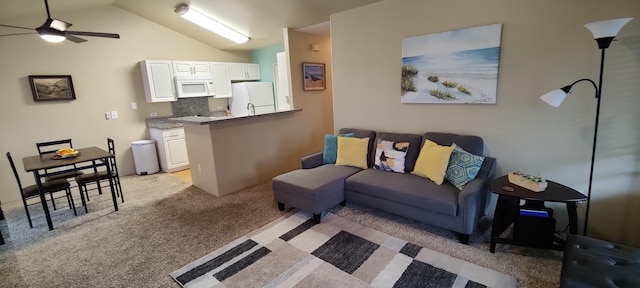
x=153, y=114
x=114, y=114
x=107, y=115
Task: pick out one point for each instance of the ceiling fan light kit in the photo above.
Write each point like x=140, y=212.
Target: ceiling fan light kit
x=55, y=31
x=201, y=19
x=51, y=35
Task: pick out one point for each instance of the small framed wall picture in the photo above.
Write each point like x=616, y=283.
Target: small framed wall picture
x=313, y=77
x=51, y=88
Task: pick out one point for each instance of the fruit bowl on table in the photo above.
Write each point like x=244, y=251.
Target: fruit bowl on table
x=65, y=153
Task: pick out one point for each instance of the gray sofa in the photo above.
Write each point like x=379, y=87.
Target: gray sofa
x=403, y=194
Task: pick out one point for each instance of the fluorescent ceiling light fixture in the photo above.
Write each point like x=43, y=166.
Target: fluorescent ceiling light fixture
x=210, y=24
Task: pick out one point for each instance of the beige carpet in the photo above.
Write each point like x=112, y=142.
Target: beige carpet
x=293, y=251
x=166, y=223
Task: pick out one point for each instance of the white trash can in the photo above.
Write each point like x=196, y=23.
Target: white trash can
x=145, y=157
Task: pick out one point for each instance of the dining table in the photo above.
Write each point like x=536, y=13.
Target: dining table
x=44, y=166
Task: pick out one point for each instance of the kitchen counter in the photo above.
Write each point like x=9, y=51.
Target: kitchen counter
x=162, y=123
x=227, y=154
x=202, y=120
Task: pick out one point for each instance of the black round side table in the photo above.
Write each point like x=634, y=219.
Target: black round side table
x=508, y=209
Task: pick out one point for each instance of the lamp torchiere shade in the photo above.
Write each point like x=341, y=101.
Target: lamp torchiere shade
x=607, y=28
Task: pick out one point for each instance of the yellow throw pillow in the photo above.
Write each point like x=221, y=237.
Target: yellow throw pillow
x=352, y=152
x=432, y=161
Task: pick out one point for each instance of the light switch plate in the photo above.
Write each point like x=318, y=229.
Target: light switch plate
x=114, y=114
x=134, y=106
x=107, y=115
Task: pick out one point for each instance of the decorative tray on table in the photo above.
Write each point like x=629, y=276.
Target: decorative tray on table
x=533, y=183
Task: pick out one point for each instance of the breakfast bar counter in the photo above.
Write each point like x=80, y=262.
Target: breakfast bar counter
x=227, y=153
x=203, y=120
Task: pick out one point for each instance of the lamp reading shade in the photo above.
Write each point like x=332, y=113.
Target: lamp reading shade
x=554, y=97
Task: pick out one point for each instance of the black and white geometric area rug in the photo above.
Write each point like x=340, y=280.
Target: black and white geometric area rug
x=293, y=252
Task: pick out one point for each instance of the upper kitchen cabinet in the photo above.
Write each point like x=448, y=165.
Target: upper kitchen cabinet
x=221, y=79
x=244, y=71
x=191, y=68
x=157, y=80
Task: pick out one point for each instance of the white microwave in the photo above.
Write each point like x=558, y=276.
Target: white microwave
x=194, y=86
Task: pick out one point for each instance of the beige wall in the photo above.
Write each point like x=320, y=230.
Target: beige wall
x=317, y=105
x=544, y=47
x=105, y=75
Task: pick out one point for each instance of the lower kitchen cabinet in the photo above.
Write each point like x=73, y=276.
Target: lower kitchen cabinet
x=172, y=148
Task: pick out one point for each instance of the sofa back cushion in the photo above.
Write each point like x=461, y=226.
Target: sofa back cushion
x=470, y=143
x=362, y=133
x=414, y=140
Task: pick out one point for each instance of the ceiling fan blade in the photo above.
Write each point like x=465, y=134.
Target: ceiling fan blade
x=59, y=25
x=75, y=39
x=17, y=34
x=18, y=27
x=94, y=34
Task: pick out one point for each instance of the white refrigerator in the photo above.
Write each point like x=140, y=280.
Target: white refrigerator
x=258, y=94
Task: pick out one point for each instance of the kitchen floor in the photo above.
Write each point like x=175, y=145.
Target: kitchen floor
x=184, y=175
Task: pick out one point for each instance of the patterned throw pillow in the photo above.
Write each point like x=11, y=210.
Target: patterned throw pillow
x=331, y=147
x=390, y=155
x=463, y=167
x=432, y=161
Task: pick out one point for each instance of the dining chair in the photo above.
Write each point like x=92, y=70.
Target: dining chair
x=98, y=176
x=50, y=187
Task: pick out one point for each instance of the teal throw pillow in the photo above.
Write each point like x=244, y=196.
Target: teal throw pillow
x=463, y=167
x=331, y=147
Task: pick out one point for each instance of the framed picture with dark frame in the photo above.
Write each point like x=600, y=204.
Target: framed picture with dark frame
x=51, y=88
x=313, y=77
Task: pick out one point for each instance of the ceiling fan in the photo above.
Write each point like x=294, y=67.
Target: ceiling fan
x=54, y=30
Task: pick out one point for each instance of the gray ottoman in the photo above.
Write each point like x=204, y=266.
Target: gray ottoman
x=313, y=190
x=590, y=262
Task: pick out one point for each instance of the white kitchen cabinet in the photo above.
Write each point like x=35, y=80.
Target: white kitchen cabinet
x=172, y=148
x=221, y=80
x=244, y=71
x=157, y=80
x=191, y=68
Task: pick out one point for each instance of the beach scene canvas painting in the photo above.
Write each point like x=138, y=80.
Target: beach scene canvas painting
x=457, y=67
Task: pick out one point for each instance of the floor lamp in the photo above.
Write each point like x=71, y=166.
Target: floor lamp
x=604, y=32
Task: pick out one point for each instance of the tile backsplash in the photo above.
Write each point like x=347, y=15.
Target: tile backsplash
x=190, y=107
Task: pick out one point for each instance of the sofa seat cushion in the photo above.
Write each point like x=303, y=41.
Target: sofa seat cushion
x=313, y=190
x=308, y=181
x=407, y=189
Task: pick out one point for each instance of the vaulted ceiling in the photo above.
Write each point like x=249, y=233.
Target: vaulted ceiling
x=262, y=20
